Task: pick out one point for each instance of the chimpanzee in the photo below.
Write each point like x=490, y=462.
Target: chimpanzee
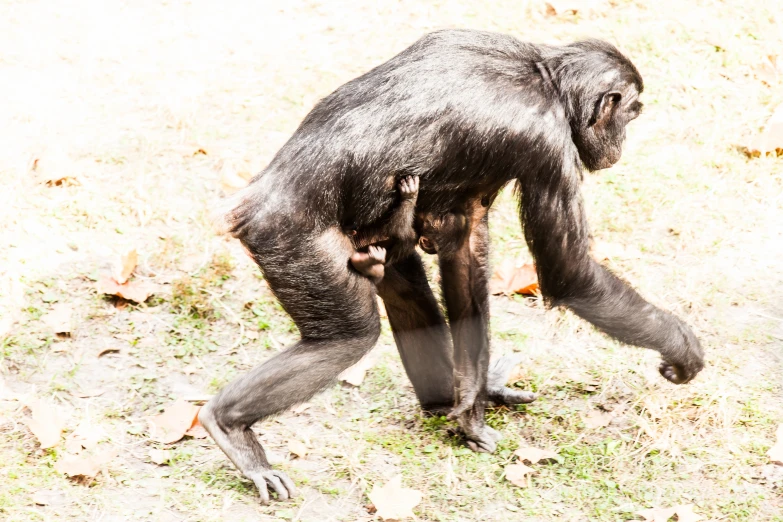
x=398, y=231
x=466, y=112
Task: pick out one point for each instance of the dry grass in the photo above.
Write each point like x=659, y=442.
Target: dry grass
x=121, y=97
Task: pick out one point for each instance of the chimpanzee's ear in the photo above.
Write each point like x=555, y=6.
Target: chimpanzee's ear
x=605, y=107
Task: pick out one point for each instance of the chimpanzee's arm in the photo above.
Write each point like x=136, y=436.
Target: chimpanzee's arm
x=557, y=234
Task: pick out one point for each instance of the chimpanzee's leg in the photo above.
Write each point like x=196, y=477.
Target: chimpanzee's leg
x=337, y=316
x=420, y=332
x=465, y=280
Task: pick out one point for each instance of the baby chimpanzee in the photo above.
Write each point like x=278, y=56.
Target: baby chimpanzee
x=398, y=230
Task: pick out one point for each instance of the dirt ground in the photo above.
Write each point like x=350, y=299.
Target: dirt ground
x=146, y=110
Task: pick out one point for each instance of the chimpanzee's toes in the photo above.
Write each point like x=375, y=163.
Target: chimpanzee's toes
x=485, y=441
x=377, y=254
x=504, y=396
x=277, y=481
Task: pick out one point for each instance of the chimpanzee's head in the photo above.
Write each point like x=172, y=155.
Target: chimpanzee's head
x=601, y=89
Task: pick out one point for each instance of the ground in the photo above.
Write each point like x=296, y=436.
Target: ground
x=145, y=107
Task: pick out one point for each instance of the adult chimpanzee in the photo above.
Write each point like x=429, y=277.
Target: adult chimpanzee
x=466, y=112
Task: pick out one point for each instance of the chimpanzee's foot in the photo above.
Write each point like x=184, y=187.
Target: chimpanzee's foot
x=242, y=447
x=484, y=441
x=498, y=392
x=479, y=436
x=370, y=263
x=276, y=480
x=409, y=188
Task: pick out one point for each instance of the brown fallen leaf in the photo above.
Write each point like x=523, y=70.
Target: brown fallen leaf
x=394, y=502
x=176, y=419
x=775, y=453
x=137, y=291
x=297, y=448
x=86, y=436
x=159, y=456
x=517, y=474
x=84, y=467
x=45, y=423
x=770, y=141
x=59, y=318
x=769, y=70
x=54, y=168
x=657, y=514
x=605, y=250
x=510, y=279
x=582, y=7
x=597, y=419
x=123, y=269
x=355, y=374
x=48, y=497
x=535, y=455
x=197, y=431
x=300, y=408
x=685, y=513
x=232, y=180
x=110, y=349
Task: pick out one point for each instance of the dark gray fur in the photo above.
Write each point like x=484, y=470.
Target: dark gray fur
x=467, y=112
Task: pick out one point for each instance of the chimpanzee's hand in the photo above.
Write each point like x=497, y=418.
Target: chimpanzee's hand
x=690, y=358
x=409, y=188
x=678, y=374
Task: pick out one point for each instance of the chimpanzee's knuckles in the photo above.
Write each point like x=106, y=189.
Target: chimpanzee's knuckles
x=675, y=374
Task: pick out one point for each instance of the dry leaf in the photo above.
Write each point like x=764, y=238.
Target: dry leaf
x=85, y=467
x=45, y=422
x=110, y=349
x=48, y=497
x=605, y=250
x=82, y=394
x=123, y=269
x=197, y=431
x=300, y=408
x=517, y=474
x=775, y=453
x=685, y=513
x=86, y=436
x=582, y=7
x=54, y=168
x=355, y=374
x=174, y=422
x=137, y=291
x=159, y=456
x=657, y=514
x=511, y=279
x=770, y=141
x=59, y=318
x=535, y=455
x=297, y=448
x=393, y=502
x=770, y=70
x=597, y=419
x=232, y=180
